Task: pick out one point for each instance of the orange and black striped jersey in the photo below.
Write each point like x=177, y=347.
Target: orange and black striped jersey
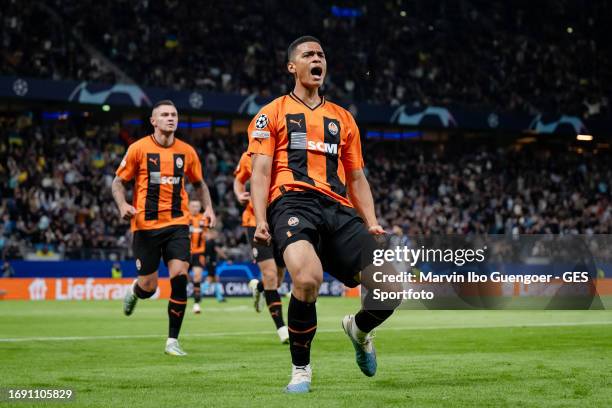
x=243, y=174
x=160, y=198
x=312, y=148
x=198, y=225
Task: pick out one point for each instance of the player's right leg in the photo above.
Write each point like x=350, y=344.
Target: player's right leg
x=148, y=254
x=307, y=275
x=269, y=273
x=176, y=256
x=197, y=282
x=295, y=220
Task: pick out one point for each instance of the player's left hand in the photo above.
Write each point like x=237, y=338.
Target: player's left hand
x=212, y=218
x=244, y=197
x=376, y=230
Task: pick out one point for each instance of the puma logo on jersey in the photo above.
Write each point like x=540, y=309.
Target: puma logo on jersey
x=154, y=161
x=297, y=122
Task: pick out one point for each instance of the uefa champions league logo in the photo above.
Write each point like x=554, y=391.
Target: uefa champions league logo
x=20, y=87
x=196, y=100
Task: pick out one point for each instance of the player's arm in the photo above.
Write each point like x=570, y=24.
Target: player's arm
x=260, y=187
x=203, y=195
x=194, y=173
x=262, y=145
x=126, y=211
x=359, y=190
x=124, y=174
x=361, y=197
x=240, y=192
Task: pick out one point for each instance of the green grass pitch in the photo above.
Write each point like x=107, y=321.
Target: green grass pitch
x=425, y=358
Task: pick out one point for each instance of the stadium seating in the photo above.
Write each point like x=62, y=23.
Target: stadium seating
x=493, y=54
x=55, y=189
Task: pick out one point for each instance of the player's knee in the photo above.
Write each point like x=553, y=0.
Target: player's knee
x=307, y=283
x=268, y=274
x=269, y=281
x=149, y=285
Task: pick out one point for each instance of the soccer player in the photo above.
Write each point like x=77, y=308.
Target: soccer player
x=271, y=275
x=213, y=251
x=308, y=184
x=197, y=230
x=159, y=215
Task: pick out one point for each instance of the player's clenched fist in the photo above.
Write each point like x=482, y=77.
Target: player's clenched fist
x=244, y=198
x=262, y=234
x=212, y=218
x=376, y=230
x=127, y=211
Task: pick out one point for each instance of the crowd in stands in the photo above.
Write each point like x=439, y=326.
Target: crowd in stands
x=549, y=56
x=55, y=194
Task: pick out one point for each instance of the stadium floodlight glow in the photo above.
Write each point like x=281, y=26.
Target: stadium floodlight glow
x=585, y=138
x=106, y=108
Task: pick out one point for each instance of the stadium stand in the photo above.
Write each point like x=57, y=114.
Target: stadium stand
x=471, y=53
x=55, y=189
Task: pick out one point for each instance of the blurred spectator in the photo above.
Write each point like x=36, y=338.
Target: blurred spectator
x=548, y=56
x=55, y=195
x=7, y=270
x=116, y=272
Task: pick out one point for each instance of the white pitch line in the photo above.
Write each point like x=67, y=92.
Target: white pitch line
x=267, y=332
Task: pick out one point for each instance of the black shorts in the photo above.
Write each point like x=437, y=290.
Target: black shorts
x=149, y=246
x=197, y=260
x=260, y=252
x=337, y=233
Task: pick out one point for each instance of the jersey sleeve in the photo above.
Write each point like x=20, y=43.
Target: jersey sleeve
x=129, y=165
x=352, y=158
x=243, y=170
x=194, y=168
x=263, y=131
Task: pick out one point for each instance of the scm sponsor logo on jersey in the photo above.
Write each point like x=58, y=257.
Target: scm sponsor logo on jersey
x=331, y=148
x=157, y=178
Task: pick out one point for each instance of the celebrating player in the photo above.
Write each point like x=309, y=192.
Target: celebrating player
x=159, y=214
x=307, y=162
x=197, y=230
x=271, y=275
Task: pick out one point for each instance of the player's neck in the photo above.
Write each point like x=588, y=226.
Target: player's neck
x=310, y=96
x=163, y=139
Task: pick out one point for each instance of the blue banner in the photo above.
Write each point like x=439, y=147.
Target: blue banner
x=430, y=117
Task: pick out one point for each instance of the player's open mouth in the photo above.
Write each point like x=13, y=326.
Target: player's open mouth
x=316, y=72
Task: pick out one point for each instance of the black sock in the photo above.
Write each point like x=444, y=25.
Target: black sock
x=197, y=292
x=141, y=293
x=302, y=318
x=177, y=304
x=374, y=312
x=260, y=287
x=367, y=320
x=275, y=307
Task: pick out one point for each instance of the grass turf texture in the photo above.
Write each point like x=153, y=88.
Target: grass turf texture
x=426, y=358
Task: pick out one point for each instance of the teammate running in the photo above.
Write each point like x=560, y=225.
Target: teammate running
x=197, y=230
x=159, y=215
x=272, y=276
